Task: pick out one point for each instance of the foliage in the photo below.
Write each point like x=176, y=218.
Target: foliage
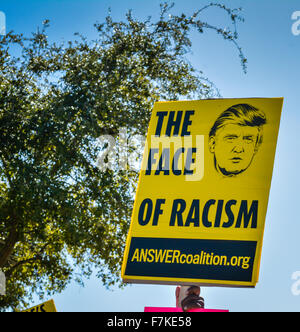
x=60, y=216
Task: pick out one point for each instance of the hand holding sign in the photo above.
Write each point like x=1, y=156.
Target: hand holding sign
x=188, y=297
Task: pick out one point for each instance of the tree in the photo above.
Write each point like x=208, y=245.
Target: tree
x=61, y=217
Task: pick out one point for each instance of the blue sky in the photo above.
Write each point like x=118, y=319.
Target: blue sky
x=273, y=54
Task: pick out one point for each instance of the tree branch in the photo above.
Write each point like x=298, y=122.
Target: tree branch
x=37, y=257
x=20, y=263
x=9, y=245
x=5, y=168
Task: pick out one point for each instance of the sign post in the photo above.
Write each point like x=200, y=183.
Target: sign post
x=200, y=207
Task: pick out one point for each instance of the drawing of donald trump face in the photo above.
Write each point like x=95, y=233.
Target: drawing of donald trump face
x=235, y=138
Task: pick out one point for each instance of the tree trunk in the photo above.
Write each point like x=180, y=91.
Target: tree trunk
x=9, y=245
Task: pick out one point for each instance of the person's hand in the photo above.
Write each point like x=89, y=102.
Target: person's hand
x=189, y=298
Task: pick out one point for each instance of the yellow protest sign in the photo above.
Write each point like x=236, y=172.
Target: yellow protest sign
x=48, y=306
x=201, y=203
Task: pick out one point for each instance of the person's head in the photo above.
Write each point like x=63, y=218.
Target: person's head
x=235, y=138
